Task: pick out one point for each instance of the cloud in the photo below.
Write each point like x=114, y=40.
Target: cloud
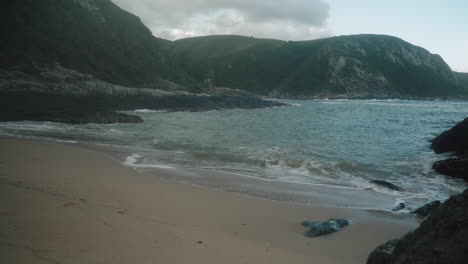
x=282, y=19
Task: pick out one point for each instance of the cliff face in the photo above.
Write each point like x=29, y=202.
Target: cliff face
x=387, y=65
x=350, y=66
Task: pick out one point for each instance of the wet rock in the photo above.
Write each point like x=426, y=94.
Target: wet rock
x=383, y=253
x=426, y=209
x=324, y=228
x=387, y=185
x=441, y=238
x=456, y=167
x=398, y=207
x=104, y=108
x=453, y=140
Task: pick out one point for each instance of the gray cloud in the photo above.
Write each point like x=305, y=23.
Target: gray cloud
x=282, y=19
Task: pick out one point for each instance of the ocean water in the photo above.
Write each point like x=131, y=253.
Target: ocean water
x=330, y=143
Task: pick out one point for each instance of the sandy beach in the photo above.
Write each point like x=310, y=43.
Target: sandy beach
x=65, y=204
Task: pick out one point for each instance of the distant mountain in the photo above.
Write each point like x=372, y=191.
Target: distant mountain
x=349, y=66
x=96, y=37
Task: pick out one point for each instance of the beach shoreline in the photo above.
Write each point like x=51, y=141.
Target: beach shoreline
x=62, y=203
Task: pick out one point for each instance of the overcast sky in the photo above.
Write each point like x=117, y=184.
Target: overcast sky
x=441, y=26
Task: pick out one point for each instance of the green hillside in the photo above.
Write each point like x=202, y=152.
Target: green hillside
x=462, y=79
x=90, y=36
x=375, y=64
x=97, y=37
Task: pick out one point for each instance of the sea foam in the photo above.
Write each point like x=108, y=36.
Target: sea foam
x=132, y=161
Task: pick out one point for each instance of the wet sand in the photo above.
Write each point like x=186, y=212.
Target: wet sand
x=66, y=204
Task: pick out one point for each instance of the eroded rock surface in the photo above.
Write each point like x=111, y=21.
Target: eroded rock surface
x=441, y=238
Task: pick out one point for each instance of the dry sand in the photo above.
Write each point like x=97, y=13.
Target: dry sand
x=65, y=204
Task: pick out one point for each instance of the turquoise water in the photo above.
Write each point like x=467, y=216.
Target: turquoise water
x=343, y=143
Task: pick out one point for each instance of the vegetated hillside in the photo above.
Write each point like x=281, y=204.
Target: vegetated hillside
x=91, y=36
x=462, y=79
x=350, y=66
x=97, y=37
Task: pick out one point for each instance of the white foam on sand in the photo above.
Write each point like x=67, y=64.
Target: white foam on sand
x=132, y=161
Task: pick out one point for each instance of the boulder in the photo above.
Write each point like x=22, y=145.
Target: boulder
x=398, y=207
x=441, y=238
x=453, y=140
x=330, y=226
x=387, y=185
x=456, y=167
x=426, y=209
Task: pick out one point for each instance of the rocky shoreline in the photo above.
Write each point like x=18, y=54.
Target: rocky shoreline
x=57, y=94
x=443, y=236
x=99, y=108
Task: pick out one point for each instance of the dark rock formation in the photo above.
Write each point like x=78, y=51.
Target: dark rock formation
x=53, y=93
x=387, y=185
x=426, y=209
x=441, y=238
x=398, y=207
x=453, y=140
x=324, y=228
x=101, y=108
x=383, y=253
x=456, y=167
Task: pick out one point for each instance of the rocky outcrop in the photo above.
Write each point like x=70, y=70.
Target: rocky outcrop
x=426, y=209
x=54, y=93
x=454, y=140
x=383, y=253
x=398, y=207
x=441, y=238
x=56, y=79
x=456, y=167
x=98, y=108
